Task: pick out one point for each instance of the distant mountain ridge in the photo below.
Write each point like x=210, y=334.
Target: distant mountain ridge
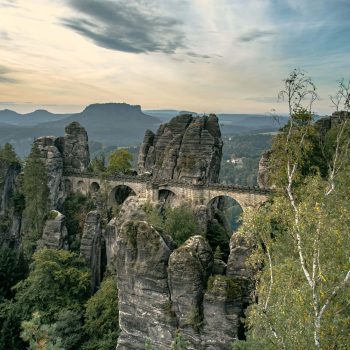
x=111, y=124
x=115, y=124
x=38, y=116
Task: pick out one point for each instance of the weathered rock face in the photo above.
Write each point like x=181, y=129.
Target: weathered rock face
x=189, y=268
x=238, y=267
x=75, y=148
x=10, y=218
x=63, y=154
x=55, y=235
x=187, y=148
x=53, y=161
x=144, y=299
x=164, y=289
x=263, y=174
x=8, y=176
x=92, y=247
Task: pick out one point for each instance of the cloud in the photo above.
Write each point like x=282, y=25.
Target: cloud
x=197, y=55
x=4, y=36
x=8, y=3
x=4, y=78
x=255, y=34
x=125, y=25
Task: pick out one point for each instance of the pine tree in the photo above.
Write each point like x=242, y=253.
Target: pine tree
x=36, y=194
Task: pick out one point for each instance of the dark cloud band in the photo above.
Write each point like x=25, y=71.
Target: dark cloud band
x=127, y=26
x=4, y=76
x=255, y=34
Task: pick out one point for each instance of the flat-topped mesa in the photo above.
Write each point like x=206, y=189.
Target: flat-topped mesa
x=186, y=149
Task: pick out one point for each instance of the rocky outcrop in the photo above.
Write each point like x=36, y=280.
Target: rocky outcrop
x=10, y=214
x=75, y=148
x=164, y=289
x=63, y=154
x=222, y=310
x=142, y=255
x=189, y=268
x=55, y=235
x=92, y=248
x=238, y=267
x=264, y=166
x=8, y=176
x=53, y=160
x=187, y=149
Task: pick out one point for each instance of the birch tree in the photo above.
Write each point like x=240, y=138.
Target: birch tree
x=303, y=235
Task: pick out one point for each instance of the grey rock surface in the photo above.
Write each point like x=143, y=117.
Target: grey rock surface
x=92, y=247
x=8, y=176
x=144, y=299
x=189, y=268
x=164, y=289
x=10, y=219
x=63, y=154
x=55, y=235
x=74, y=147
x=238, y=265
x=53, y=160
x=187, y=149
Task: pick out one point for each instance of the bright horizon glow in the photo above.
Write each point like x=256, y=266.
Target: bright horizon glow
x=220, y=56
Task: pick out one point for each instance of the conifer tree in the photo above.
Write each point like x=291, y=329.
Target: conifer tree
x=36, y=194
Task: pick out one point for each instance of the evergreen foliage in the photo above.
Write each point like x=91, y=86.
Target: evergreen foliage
x=75, y=209
x=36, y=195
x=8, y=154
x=40, y=336
x=13, y=268
x=98, y=164
x=179, y=222
x=101, y=317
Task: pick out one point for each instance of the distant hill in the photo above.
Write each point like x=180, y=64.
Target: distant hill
x=29, y=119
x=115, y=124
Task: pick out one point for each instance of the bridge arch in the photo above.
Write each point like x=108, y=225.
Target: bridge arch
x=229, y=207
x=81, y=187
x=120, y=193
x=224, y=218
x=95, y=187
x=166, y=196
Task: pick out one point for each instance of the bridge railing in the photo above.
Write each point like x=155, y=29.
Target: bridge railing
x=168, y=183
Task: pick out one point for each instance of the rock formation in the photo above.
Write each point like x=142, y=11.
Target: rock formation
x=142, y=256
x=263, y=174
x=55, y=235
x=189, y=268
x=75, y=148
x=63, y=154
x=92, y=247
x=187, y=149
x=53, y=160
x=10, y=218
x=164, y=289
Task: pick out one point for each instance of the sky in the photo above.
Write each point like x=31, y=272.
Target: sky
x=207, y=56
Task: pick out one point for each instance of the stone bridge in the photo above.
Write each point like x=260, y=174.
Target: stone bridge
x=118, y=188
